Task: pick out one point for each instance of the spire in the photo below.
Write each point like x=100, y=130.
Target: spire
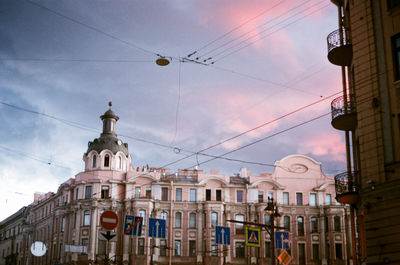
x=109, y=121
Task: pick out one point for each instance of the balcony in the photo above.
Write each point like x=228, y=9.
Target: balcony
x=346, y=189
x=339, y=53
x=344, y=115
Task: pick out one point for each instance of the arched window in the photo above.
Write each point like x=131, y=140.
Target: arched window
x=286, y=222
x=119, y=162
x=192, y=220
x=164, y=215
x=214, y=219
x=142, y=213
x=86, y=218
x=178, y=219
x=314, y=224
x=238, y=226
x=94, y=161
x=107, y=161
x=300, y=226
x=336, y=223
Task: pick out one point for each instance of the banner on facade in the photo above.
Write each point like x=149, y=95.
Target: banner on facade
x=76, y=249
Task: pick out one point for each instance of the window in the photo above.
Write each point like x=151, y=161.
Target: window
x=94, y=161
x=286, y=198
x=238, y=226
x=163, y=247
x=396, y=51
x=85, y=241
x=299, y=198
x=88, y=192
x=314, y=224
x=214, y=219
x=315, y=251
x=119, y=162
x=268, y=249
x=239, y=249
x=393, y=3
x=328, y=199
x=336, y=223
x=77, y=194
x=178, y=219
x=137, y=192
x=214, y=248
x=105, y=191
x=192, y=248
x=164, y=215
x=164, y=194
x=267, y=219
x=148, y=191
x=338, y=251
x=302, y=254
x=107, y=161
x=63, y=224
x=260, y=196
x=239, y=196
x=218, y=195
x=270, y=194
x=300, y=226
x=313, y=199
x=140, y=249
x=286, y=222
x=208, y=195
x=178, y=195
x=177, y=247
x=86, y=218
x=192, y=220
x=142, y=213
x=193, y=193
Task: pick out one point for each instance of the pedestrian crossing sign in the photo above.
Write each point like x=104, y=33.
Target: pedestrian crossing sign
x=253, y=236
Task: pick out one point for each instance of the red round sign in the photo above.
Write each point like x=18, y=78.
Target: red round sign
x=109, y=220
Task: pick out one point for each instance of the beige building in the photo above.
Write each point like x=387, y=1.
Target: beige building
x=191, y=202
x=367, y=48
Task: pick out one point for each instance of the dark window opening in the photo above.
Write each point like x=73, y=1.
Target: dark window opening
x=107, y=161
x=218, y=195
x=208, y=195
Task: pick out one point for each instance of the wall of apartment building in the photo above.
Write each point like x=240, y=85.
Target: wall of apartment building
x=71, y=217
x=372, y=26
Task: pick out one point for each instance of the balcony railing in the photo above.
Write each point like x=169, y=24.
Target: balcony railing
x=346, y=188
x=339, y=52
x=344, y=114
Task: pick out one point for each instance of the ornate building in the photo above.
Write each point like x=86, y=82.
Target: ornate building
x=366, y=46
x=192, y=202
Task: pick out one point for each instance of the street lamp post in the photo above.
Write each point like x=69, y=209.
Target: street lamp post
x=272, y=211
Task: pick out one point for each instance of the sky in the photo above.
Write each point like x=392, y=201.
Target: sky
x=250, y=79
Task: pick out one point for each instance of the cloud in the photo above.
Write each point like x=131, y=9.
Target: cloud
x=326, y=144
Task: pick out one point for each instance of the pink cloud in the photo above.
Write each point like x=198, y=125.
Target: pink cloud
x=329, y=144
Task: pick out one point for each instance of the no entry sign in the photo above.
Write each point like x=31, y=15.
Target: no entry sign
x=109, y=220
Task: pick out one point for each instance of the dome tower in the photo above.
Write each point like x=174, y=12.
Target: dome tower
x=107, y=152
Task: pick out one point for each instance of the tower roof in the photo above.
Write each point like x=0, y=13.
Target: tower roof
x=108, y=139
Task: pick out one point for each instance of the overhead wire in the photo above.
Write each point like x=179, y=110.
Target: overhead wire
x=237, y=27
x=92, y=28
x=177, y=104
x=76, y=60
x=261, y=38
x=209, y=53
x=253, y=129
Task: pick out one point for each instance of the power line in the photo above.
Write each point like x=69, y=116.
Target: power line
x=236, y=28
x=262, y=139
x=92, y=28
x=285, y=26
x=244, y=34
x=253, y=129
x=76, y=60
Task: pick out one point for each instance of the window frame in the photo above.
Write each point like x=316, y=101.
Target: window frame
x=241, y=197
x=86, y=218
x=88, y=194
x=192, y=220
x=193, y=195
x=299, y=202
x=286, y=199
x=178, y=225
x=178, y=195
x=313, y=202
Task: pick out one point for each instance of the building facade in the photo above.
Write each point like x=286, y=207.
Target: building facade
x=366, y=46
x=192, y=202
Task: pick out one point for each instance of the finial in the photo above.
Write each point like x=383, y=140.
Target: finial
x=110, y=104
